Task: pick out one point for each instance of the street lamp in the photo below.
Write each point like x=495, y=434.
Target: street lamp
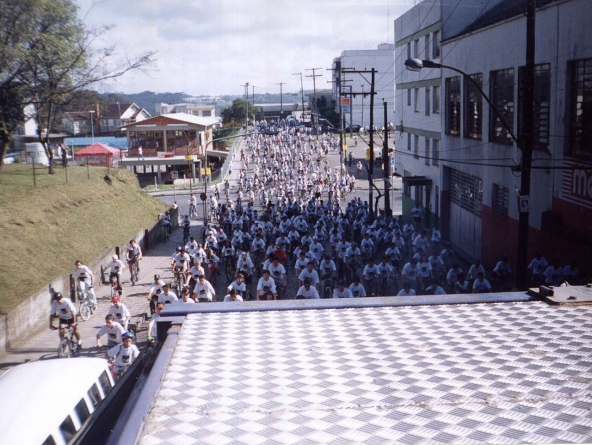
x=92, y=125
x=523, y=223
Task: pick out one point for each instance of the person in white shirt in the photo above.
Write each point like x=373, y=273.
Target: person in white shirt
x=233, y=295
x=266, y=289
x=123, y=355
x=116, y=267
x=341, y=291
x=434, y=288
x=410, y=273
x=307, y=292
x=63, y=309
x=167, y=297
x=155, y=288
x=204, y=291
x=120, y=311
x=481, y=285
x=356, y=288
x=369, y=275
x=133, y=255
x=536, y=267
x=278, y=273
x=113, y=331
x=245, y=266
x=186, y=297
x=407, y=291
x=192, y=275
x=83, y=278
x=309, y=272
x=475, y=268
x=554, y=274
x=152, y=328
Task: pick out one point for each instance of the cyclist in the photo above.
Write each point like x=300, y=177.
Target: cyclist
x=228, y=252
x=186, y=296
x=83, y=274
x=123, y=355
x=328, y=273
x=278, y=272
x=120, y=311
x=410, y=273
x=116, y=267
x=112, y=329
x=212, y=262
x=245, y=266
x=180, y=262
x=239, y=286
x=356, y=288
x=204, y=292
x=481, y=285
x=407, y=291
x=152, y=328
x=195, y=271
x=166, y=296
x=186, y=222
x=307, y=291
x=266, y=289
x=63, y=309
x=434, y=288
x=165, y=220
x=155, y=290
x=369, y=275
x=341, y=291
x=310, y=273
x=192, y=203
x=133, y=255
x=211, y=243
x=386, y=272
x=233, y=295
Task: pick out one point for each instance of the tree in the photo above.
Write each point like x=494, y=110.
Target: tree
x=237, y=111
x=54, y=60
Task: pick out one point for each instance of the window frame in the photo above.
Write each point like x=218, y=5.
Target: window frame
x=436, y=99
x=427, y=98
x=498, y=133
x=477, y=114
x=416, y=101
x=427, y=151
x=435, y=152
x=453, y=124
x=436, y=48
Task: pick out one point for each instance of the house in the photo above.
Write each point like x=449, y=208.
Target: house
x=200, y=110
x=114, y=116
x=77, y=122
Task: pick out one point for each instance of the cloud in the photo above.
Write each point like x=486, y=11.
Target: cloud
x=214, y=46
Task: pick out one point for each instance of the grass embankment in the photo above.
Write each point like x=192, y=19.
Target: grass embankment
x=46, y=228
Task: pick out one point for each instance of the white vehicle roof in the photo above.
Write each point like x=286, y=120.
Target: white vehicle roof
x=33, y=403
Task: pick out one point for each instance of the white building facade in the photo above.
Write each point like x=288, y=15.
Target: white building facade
x=478, y=160
x=417, y=109
x=382, y=60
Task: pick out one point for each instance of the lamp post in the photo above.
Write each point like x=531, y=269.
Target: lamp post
x=526, y=147
x=92, y=125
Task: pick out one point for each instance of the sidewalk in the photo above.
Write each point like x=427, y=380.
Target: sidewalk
x=43, y=344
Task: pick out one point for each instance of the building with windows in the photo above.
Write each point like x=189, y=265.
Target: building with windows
x=418, y=111
x=478, y=157
x=201, y=110
x=382, y=60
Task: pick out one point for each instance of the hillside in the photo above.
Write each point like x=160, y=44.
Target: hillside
x=46, y=228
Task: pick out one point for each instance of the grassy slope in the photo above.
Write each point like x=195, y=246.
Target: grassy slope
x=43, y=230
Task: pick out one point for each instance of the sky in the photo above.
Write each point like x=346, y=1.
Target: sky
x=214, y=47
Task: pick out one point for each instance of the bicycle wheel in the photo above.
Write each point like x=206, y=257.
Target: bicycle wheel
x=64, y=349
x=134, y=275
x=229, y=269
x=84, y=310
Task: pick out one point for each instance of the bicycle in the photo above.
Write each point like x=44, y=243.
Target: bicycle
x=185, y=234
x=192, y=211
x=230, y=268
x=179, y=282
x=134, y=275
x=68, y=345
x=327, y=287
x=166, y=230
x=86, y=308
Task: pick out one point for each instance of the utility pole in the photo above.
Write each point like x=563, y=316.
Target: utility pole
x=301, y=92
x=281, y=99
x=247, y=106
x=363, y=96
x=254, y=111
x=527, y=141
x=314, y=93
x=385, y=164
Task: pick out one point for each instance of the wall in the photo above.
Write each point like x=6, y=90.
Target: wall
x=32, y=314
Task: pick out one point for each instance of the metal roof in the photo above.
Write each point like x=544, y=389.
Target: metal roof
x=457, y=373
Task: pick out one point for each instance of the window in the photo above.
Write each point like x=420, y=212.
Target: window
x=427, y=151
x=409, y=50
x=466, y=191
x=499, y=198
x=453, y=105
x=49, y=441
x=68, y=429
x=427, y=47
x=580, y=109
x=82, y=411
x=206, y=113
x=436, y=45
x=542, y=101
x=416, y=102
x=409, y=97
x=416, y=48
x=416, y=147
x=427, y=101
x=435, y=151
x=105, y=382
x=409, y=141
x=473, y=107
x=95, y=395
x=436, y=100
x=502, y=98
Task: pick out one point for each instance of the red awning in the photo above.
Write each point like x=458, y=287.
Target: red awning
x=98, y=149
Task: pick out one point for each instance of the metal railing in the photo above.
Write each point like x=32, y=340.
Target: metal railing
x=235, y=145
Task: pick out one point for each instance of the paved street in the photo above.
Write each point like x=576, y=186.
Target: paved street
x=43, y=343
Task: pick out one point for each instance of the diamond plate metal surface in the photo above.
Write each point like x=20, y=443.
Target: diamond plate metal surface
x=480, y=373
